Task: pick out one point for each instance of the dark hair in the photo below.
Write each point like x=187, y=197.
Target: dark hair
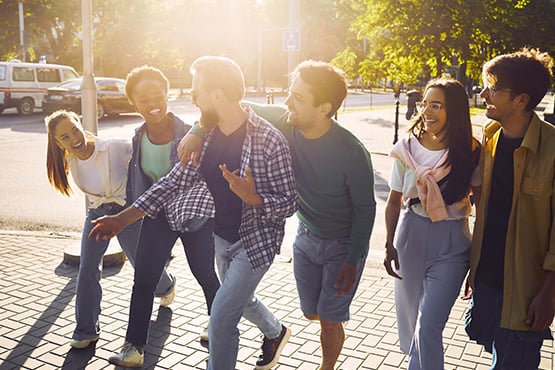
x=463, y=149
x=143, y=73
x=328, y=83
x=220, y=73
x=56, y=157
x=526, y=71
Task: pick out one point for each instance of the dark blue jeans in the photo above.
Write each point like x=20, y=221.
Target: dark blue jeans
x=155, y=244
x=511, y=349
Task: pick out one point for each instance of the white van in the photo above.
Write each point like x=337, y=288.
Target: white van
x=22, y=85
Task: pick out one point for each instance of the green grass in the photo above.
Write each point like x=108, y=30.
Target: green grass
x=476, y=111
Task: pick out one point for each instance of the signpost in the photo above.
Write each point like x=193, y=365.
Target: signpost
x=291, y=40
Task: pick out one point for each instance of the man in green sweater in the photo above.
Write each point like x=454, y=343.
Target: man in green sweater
x=336, y=210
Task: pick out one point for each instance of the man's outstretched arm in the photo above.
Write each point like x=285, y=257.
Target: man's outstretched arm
x=107, y=227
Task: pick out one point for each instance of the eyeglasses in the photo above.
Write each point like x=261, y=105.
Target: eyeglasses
x=492, y=90
x=434, y=107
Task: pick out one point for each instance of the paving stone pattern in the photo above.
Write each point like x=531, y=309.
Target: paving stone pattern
x=37, y=300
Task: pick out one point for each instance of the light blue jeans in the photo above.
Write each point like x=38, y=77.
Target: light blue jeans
x=434, y=261
x=89, y=290
x=234, y=299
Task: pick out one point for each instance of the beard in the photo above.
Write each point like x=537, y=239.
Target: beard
x=292, y=119
x=209, y=119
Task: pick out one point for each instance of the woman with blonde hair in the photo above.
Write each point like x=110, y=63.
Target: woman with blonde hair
x=99, y=169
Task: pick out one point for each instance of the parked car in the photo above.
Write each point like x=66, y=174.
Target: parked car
x=110, y=94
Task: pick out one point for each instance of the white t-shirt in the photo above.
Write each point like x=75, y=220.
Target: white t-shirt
x=89, y=176
x=403, y=179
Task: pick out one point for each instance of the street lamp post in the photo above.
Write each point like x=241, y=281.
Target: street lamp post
x=21, y=29
x=396, y=133
x=293, y=26
x=259, y=84
x=290, y=47
x=88, y=100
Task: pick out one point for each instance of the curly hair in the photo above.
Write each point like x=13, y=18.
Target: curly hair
x=141, y=73
x=527, y=71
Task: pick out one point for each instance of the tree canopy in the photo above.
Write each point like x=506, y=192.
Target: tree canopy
x=407, y=41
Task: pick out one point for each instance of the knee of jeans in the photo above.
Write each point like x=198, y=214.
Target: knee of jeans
x=429, y=323
x=89, y=269
x=221, y=324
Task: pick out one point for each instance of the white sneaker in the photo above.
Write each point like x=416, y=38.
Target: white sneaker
x=130, y=356
x=83, y=343
x=204, y=334
x=167, y=299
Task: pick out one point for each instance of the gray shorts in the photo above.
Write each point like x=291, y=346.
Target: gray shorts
x=316, y=264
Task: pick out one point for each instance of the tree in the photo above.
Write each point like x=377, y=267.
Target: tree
x=430, y=37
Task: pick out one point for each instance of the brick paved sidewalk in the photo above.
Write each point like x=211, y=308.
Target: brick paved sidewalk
x=37, y=318
x=37, y=300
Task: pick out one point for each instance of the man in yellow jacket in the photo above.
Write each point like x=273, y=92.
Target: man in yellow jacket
x=512, y=263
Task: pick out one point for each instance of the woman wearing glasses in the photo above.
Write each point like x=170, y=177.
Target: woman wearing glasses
x=428, y=244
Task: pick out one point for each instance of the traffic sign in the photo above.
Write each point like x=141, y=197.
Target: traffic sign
x=291, y=40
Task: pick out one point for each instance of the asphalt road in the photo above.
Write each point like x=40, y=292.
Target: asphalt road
x=28, y=202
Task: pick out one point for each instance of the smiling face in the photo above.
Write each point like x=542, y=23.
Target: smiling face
x=150, y=98
x=499, y=101
x=300, y=104
x=434, y=114
x=71, y=138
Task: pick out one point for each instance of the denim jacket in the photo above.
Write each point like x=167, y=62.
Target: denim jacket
x=137, y=181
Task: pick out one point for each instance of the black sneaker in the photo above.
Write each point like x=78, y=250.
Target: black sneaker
x=271, y=349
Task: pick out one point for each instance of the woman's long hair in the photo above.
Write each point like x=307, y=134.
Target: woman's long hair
x=463, y=148
x=56, y=156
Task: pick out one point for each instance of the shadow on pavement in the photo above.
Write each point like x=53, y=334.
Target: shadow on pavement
x=79, y=358
x=42, y=326
x=158, y=332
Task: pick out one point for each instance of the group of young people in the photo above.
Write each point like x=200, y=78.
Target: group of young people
x=230, y=204
x=226, y=186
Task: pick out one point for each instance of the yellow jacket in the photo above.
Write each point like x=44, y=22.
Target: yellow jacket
x=530, y=245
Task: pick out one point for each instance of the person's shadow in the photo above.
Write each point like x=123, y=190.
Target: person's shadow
x=79, y=358
x=158, y=332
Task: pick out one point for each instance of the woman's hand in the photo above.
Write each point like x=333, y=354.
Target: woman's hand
x=391, y=256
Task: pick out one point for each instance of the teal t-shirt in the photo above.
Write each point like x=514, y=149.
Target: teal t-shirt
x=155, y=159
x=335, y=182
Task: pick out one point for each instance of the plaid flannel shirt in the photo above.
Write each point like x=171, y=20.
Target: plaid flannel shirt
x=266, y=152
x=179, y=206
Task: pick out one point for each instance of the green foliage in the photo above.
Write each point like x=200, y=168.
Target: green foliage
x=346, y=60
x=426, y=38
x=401, y=40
